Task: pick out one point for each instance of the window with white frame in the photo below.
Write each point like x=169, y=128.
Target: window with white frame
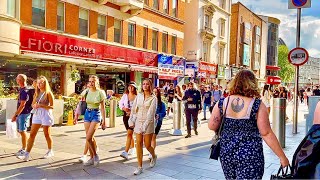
x=156, y=4
x=165, y=42
x=145, y=37
x=84, y=22
x=38, y=12
x=131, y=34
x=205, y=51
x=174, y=8
x=60, y=16
x=102, y=27
x=222, y=28
x=221, y=54
x=11, y=8
x=155, y=40
x=174, y=44
x=117, y=30
x=166, y=6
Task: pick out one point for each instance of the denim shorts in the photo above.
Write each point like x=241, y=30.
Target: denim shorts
x=92, y=115
x=22, y=121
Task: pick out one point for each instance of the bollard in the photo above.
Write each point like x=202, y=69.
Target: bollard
x=313, y=101
x=70, y=118
x=279, y=120
x=177, y=119
x=113, y=113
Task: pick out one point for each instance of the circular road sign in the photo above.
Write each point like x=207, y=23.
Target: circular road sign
x=298, y=56
x=299, y=3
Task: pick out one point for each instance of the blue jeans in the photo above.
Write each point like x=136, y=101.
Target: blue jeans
x=22, y=121
x=205, y=109
x=92, y=115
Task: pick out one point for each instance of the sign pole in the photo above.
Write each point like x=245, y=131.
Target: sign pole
x=296, y=87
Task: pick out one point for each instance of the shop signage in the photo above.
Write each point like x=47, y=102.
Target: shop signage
x=192, y=65
x=170, y=70
x=208, y=68
x=273, y=80
x=221, y=72
x=246, y=55
x=234, y=71
x=59, y=45
x=163, y=59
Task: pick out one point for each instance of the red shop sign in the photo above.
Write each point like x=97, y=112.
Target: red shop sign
x=50, y=43
x=210, y=69
x=273, y=80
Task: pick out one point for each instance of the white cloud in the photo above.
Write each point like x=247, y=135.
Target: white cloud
x=310, y=26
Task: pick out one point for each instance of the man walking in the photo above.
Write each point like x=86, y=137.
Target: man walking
x=316, y=92
x=216, y=94
x=206, y=101
x=22, y=115
x=193, y=108
x=170, y=98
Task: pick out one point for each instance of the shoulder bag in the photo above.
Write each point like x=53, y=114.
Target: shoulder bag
x=283, y=174
x=215, y=147
x=83, y=104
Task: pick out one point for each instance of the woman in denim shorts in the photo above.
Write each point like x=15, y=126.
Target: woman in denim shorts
x=95, y=98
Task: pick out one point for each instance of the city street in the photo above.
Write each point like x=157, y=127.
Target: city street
x=178, y=158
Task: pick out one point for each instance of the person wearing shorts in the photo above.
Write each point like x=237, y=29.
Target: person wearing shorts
x=22, y=115
x=170, y=98
x=125, y=104
x=42, y=106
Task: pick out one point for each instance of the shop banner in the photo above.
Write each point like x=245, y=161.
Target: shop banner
x=190, y=72
x=209, y=69
x=163, y=59
x=170, y=70
x=192, y=65
x=61, y=45
x=221, y=72
x=246, y=55
x=273, y=80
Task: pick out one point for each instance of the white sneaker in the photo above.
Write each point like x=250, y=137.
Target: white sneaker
x=20, y=152
x=83, y=159
x=124, y=155
x=150, y=156
x=24, y=157
x=49, y=154
x=89, y=162
x=153, y=161
x=96, y=160
x=132, y=151
x=138, y=171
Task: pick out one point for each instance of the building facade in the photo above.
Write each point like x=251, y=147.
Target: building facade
x=309, y=73
x=207, y=40
x=246, y=40
x=118, y=40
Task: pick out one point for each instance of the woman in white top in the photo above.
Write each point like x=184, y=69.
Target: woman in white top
x=266, y=96
x=142, y=119
x=125, y=104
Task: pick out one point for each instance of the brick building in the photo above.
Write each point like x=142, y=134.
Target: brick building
x=248, y=39
x=119, y=40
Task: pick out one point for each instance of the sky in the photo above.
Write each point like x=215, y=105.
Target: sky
x=310, y=22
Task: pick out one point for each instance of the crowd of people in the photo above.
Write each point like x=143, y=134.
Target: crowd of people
x=246, y=120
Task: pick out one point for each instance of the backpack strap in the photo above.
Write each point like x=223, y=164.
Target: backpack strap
x=255, y=108
x=220, y=105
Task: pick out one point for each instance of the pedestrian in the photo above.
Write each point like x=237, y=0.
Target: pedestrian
x=177, y=93
x=276, y=93
x=266, y=97
x=308, y=93
x=160, y=114
x=125, y=104
x=246, y=124
x=301, y=93
x=142, y=119
x=216, y=94
x=42, y=105
x=31, y=90
x=22, y=115
x=170, y=98
x=316, y=92
x=283, y=92
x=316, y=117
x=192, y=108
x=95, y=98
x=206, y=101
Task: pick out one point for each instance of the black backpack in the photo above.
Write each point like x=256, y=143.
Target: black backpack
x=30, y=92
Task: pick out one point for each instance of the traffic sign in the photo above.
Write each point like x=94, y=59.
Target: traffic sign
x=298, y=56
x=294, y=4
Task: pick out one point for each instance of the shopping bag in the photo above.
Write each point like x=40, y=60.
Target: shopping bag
x=11, y=129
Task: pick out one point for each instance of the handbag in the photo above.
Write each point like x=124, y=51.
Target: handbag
x=283, y=174
x=215, y=147
x=83, y=104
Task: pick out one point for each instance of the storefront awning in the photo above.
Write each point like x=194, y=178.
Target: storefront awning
x=144, y=69
x=273, y=80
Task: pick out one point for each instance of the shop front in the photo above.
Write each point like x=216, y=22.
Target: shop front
x=59, y=57
x=170, y=69
x=207, y=72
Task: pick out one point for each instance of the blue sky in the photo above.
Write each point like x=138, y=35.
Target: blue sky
x=310, y=24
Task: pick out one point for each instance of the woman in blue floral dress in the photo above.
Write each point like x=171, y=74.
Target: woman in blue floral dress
x=246, y=124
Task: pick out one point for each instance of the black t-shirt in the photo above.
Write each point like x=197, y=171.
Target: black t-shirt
x=316, y=92
x=207, y=97
x=170, y=92
x=25, y=95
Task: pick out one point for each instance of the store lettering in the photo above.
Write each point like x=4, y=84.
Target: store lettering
x=48, y=46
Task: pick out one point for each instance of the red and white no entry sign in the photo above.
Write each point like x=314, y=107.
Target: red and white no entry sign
x=298, y=56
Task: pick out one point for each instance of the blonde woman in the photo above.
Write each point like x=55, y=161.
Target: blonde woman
x=142, y=119
x=95, y=98
x=42, y=106
x=246, y=123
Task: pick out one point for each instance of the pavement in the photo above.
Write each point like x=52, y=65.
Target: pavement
x=178, y=158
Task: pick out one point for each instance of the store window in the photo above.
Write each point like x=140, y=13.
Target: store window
x=11, y=8
x=84, y=22
x=222, y=28
x=156, y=4
x=145, y=37
x=117, y=30
x=205, y=51
x=174, y=8
x=102, y=27
x=174, y=45
x=60, y=16
x=155, y=40
x=165, y=42
x=166, y=6
x=131, y=34
x=38, y=12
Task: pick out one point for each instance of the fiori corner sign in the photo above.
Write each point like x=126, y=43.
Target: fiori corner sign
x=294, y=4
x=298, y=56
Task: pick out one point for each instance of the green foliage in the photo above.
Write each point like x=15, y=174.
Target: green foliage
x=70, y=104
x=287, y=70
x=75, y=75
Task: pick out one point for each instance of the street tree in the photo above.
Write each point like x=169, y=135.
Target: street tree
x=287, y=70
